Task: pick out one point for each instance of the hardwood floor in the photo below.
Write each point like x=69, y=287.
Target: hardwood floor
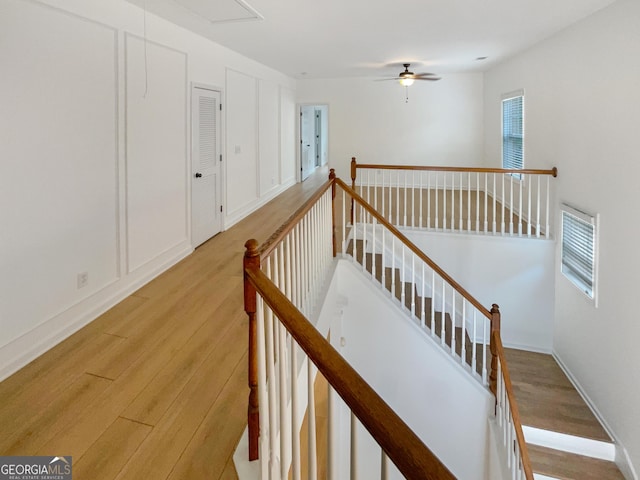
x=157, y=386
x=547, y=400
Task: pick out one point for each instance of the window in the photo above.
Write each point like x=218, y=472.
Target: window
x=513, y=130
x=579, y=249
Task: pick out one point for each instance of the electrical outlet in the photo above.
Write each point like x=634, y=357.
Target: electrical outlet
x=83, y=279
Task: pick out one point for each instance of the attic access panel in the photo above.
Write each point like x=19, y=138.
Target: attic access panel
x=221, y=11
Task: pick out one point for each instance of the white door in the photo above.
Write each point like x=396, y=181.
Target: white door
x=307, y=140
x=206, y=215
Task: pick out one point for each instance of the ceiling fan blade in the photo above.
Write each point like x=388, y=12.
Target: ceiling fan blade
x=430, y=79
x=420, y=75
x=386, y=79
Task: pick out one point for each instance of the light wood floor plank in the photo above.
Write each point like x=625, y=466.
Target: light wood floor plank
x=547, y=399
x=164, y=446
x=111, y=451
x=25, y=433
x=161, y=392
x=209, y=449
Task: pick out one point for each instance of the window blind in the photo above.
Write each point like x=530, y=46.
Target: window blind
x=578, y=250
x=512, y=132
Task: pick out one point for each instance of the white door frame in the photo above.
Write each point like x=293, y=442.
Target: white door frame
x=221, y=151
x=325, y=133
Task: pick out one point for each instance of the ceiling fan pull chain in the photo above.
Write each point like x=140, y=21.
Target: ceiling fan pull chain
x=406, y=100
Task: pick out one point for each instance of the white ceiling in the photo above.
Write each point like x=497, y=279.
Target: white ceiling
x=346, y=38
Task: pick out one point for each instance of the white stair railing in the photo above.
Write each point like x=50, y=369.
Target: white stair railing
x=283, y=280
x=459, y=199
x=441, y=306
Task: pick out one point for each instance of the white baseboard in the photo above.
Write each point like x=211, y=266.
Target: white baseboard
x=622, y=457
x=29, y=346
x=234, y=217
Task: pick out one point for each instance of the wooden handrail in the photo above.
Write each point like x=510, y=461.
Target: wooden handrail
x=409, y=244
x=405, y=449
x=268, y=246
x=513, y=405
x=525, y=171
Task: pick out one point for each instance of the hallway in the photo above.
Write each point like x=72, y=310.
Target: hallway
x=156, y=387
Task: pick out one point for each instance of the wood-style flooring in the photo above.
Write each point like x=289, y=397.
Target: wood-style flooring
x=547, y=400
x=155, y=388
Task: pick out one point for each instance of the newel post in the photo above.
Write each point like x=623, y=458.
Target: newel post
x=495, y=328
x=332, y=177
x=353, y=183
x=252, y=259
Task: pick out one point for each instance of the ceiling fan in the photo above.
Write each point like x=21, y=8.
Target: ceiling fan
x=406, y=78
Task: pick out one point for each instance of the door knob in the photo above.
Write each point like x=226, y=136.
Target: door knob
x=198, y=175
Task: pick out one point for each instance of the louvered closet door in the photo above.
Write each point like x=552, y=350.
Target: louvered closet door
x=206, y=218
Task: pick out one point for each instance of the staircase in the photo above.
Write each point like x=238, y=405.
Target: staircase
x=548, y=402
x=550, y=405
x=409, y=296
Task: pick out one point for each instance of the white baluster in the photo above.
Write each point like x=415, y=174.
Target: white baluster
x=403, y=279
x=474, y=341
x=353, y=464
x=453, y=201
x=433, y=303
x=520, y=220
x=477, y=201
x=393, y=266
x=390, y=198
x=494, y=203
x=463, y=349
x=413, y=284
x=413, y=198
x=285, y=425
x=484, y=351
x=311, y=420
x=404, y=210
x=504, y=200
x=271, y=375
x=443, y=301
x=383, y=260
x=375, y=190
x=373, y=247
x=437, y=212
x=460, y=224
x=429, y=199
x=384, y=465
x=364, y=238
x=295, y=420
x=529, y=206
x=331, y=433
x=468, y=201
x=486, y=200
x=344, y=224
x=397, y=222
x=263, y=404
x=453, y=321
x=538, y=213
x=444, y=200
x=511, y=205
x=420, y=197
x=423, y=302
x=547, y=231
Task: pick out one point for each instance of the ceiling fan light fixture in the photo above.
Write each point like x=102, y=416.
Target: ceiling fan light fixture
x=406, y=81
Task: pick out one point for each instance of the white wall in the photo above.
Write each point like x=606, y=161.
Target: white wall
x=517, y=274
x=434, y=395
x=582, y=115
x=440, y=125
x=95, y=171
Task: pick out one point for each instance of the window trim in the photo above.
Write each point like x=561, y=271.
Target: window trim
x=505, y=97
x=594, y=221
